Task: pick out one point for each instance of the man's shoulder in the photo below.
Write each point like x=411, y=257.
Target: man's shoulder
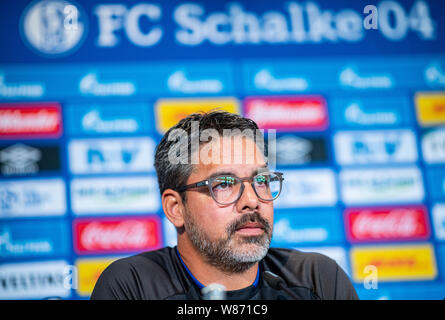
x=315, y=271
x=134, y=277
x=156, y=259
x=295, y=258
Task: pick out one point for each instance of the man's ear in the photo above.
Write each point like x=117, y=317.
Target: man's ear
x=173, y=207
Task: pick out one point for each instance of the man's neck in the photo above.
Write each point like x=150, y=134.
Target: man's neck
x=207, y=274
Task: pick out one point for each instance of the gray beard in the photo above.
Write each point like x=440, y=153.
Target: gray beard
x=225, y=254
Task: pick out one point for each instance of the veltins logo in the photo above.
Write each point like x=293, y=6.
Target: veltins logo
x=53, y=27
x=89, y=271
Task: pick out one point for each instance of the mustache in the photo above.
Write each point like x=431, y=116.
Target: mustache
x=246, y=218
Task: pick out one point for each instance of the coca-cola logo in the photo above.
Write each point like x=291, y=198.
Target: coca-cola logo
x=402, y=223
x=117, y=235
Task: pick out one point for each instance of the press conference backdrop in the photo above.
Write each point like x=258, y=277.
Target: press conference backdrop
x=355, y=94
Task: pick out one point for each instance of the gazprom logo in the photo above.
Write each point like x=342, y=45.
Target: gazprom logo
x=53, y=27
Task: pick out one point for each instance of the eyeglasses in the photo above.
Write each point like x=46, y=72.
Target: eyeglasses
x=227, y=189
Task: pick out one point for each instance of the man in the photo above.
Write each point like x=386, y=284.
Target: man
x=218, y=192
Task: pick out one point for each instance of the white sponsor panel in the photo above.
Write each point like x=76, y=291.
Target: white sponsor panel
x=35, y=280
x=439, y=220
x=114, y=195
x=379, y=186
x=306, y=188
x=433, y=146
x=375, y=147
x=25, y=198
x=335, y=253
x=111, y=155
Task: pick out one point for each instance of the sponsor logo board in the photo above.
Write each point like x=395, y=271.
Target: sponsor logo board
x=29, y=159
x=34, y=280
x=438, y=213
x=296, y=227
x=394, y=262
x=116, y=235
x=110, y=195
x=170, y=111
x=433, y=146
x=307, y=188
x=375, y=147
x=33, y=239
x=35, y=120
x=26, y=198
x=371, y=112
x=111, y=155
x=430, y=107
x=99, y=119
x=436, y=183
x=384, y=185
x=292, y=113
x=89, y=270
x=387, y=224
x=294, y=149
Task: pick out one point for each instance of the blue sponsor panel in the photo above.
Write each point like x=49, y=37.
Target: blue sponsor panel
x=435, y=178
x=116, y=81
x=441, y=261
x=108, y=119
x=438, y=215
x=371, y=112
x=408, y=291
x=111, y=155
x=360, y=147
x=286, y=77
x=350, y=75
x=313, y=227
x=33, y=239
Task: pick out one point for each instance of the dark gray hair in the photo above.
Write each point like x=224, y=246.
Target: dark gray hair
x=175, y=175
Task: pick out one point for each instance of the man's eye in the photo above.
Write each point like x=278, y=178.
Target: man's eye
x=224, y=183
x=261, y=180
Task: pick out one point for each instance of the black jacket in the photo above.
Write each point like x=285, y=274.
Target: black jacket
x=160, y=275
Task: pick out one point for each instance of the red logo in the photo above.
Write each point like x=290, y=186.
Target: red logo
x=382, y=224
x=37, y=120
x=117, y=235
x=301, y=113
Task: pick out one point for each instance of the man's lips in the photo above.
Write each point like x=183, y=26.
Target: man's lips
x=251, y=228
x=251, y=225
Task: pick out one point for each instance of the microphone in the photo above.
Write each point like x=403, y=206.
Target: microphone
x=278, y=283
x=214, y=291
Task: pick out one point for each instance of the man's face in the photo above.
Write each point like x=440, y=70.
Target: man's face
x=231, y=237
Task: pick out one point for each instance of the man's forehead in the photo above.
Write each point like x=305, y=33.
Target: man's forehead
x=238, y=171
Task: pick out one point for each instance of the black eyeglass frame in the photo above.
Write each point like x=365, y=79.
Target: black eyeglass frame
x=208, y=183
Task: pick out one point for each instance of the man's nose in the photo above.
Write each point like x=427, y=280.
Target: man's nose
x=248, y=200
